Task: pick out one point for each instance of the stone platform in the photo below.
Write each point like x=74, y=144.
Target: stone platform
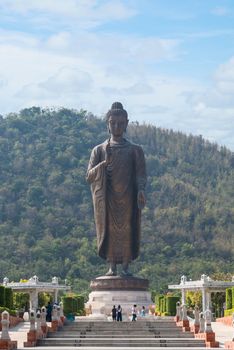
x=119, y=283
x=118, y=290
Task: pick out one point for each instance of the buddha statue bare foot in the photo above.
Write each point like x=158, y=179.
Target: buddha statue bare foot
x=125, y=271
x=112, y=270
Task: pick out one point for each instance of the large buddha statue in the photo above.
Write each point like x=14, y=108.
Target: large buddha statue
x=117, y=175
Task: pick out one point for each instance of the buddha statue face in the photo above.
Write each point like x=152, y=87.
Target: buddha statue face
x=117, y=125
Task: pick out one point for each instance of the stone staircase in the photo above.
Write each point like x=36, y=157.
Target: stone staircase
x=144, y=334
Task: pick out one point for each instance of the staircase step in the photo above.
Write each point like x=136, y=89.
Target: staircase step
x=137, y=335
x=139, y=342
x=120, y=335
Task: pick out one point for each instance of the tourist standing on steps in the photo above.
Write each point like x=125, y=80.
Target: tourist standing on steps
x=113, y=313
x=143, y=311
x=119, y=313
x=49, y=312
x=134, y=313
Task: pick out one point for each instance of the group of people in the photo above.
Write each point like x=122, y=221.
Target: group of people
x=117, y=313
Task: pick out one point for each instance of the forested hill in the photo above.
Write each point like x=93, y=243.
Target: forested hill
x=46, y=214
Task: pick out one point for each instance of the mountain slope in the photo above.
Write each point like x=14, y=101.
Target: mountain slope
x=46, y=214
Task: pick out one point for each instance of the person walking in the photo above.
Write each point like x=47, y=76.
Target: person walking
x=119, y=313
x=134, y=313
x=113, y=313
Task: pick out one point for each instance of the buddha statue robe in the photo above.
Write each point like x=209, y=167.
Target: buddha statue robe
x=114, y=190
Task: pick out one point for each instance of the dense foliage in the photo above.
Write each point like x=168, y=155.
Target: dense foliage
x=165, y=305
x=6, y=297
x=73, y=304
x=46, y=214
x=229, y=302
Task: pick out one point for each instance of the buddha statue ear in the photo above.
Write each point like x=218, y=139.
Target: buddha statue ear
x=126, y=125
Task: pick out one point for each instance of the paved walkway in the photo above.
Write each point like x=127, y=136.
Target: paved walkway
x=223, y=333
x=19, y=333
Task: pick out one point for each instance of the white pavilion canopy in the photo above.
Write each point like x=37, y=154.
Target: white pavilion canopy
x=33, y=286
x=206, y=285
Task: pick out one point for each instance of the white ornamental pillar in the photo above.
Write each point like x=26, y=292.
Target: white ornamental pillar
x=183, y=297
x=33, y=295
x=43, y=316
x=204, y=300
x=38, y=321
x=61, y=309
x=208, y=316
x=184, y=313
x=56, y=296
x=32, y=320
x=178, y=314
x=196, y=316
x=202, y=323
x=5, y=325
x=55, y=313
x=208, y=300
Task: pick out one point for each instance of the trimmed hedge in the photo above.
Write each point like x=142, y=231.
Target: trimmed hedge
x=2, y=296
x=73, y=305
x=9, y=298
x=157, y=302
x=68, y=307
x=6, y=300
x=228, y=298
x=229, y=312
x=229, y=302
x=166, y=304
x=171, y=305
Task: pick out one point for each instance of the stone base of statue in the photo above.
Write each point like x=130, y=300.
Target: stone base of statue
x=117, y=290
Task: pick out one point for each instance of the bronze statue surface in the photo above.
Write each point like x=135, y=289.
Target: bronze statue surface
x=117, y=175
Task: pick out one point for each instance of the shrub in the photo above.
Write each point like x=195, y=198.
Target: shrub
x=158, y=297
x=171, y=305
x=21, y=301
x=73, y=304
x=2, y=296
x=80, y=302
x=68, y=307
x=228, y=312
x=228, y=298
x=8, y=298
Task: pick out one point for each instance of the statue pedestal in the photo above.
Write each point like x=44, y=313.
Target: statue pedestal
x=117, y=290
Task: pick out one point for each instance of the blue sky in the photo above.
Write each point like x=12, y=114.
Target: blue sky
x=171, y=62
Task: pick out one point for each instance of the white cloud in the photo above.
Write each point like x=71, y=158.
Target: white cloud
x=220, y=11
x=25, y=60
x=139, y=88
x=59, y=41
x=81, y=13
x=66, y=82
x=3, y=82
x=226, y=71
x=220, y=95
x=79, y=68
x=212, y=109
x=15, y=38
